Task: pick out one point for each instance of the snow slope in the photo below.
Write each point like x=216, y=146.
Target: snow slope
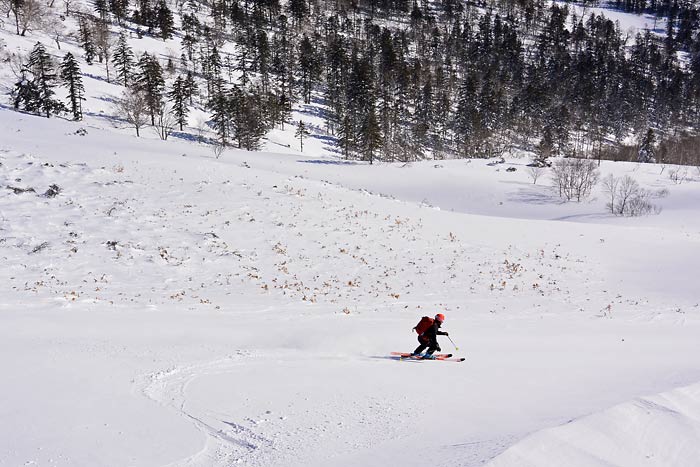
x=657, y=430
x=169, y=308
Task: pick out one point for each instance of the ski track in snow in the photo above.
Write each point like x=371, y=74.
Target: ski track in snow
x=227, y=443
x=269, y=440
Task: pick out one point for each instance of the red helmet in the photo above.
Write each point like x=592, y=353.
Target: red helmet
x=440, y=317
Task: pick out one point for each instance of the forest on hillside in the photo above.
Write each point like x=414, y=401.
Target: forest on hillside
x=395, y=80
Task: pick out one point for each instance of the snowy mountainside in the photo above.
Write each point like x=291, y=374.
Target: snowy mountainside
x=205, y=232
x=219, y=225
x=169, y=308
x=161, y=307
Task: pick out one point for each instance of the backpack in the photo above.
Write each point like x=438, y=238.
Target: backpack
x=423, y=325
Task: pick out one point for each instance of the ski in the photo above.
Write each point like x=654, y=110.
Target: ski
x=442, y=356
x=455, y=359
x=408, y=355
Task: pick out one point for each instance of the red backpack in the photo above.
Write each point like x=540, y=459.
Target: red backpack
x=423, y=325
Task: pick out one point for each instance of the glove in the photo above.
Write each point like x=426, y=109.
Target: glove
x=447, y=334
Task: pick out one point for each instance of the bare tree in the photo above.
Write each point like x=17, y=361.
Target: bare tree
x=133, y=108
x=27, y=13
x=12, y=7
x=627, y=189
x=575, y=178
x=627, y=198
x=218, y=149
x=18, y=64
x=201, y=127
x=535, y=172
x=610, y=184
x=639, y=205
x=53, y=25
x=165, y=121
x=103, y=42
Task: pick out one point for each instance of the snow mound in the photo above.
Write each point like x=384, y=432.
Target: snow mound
x=659, y=430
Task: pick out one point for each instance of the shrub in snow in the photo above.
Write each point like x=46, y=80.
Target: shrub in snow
x=627, y=198
x=218, y=149
x=678, y=174
x=575, y=178
x=52, y=191
x=38, y=248
x=18, y=191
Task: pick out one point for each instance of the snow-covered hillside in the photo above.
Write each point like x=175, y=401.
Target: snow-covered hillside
x=160, y=306
x=169, y=308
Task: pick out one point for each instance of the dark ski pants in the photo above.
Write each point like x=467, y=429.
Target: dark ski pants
x=426, y=344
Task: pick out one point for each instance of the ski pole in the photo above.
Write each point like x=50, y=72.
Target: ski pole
x=453, y=343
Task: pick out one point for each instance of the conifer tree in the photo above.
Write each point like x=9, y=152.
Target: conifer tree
x=190, y=87
x=301, y=133
x=101, y=8
x=178, y=97
x=70, y=74
x=191, y=29
x=424, y=114
x=285, y=109
x=262, y=59
x=308, y=68
x=647, y=153
x=123, y=60
x=120, y=9
x=221, y=118
x=465, y=115
x=26, y=93
x=248, y=120
x=150, y=81
x=371, y=137
x=212, y=66
x=298, y=9
x=165, y=21
x=86, y=39
x=35, y=94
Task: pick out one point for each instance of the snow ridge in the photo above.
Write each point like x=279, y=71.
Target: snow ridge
x=660, y=430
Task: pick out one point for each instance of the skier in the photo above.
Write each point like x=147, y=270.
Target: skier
x=428, y=329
